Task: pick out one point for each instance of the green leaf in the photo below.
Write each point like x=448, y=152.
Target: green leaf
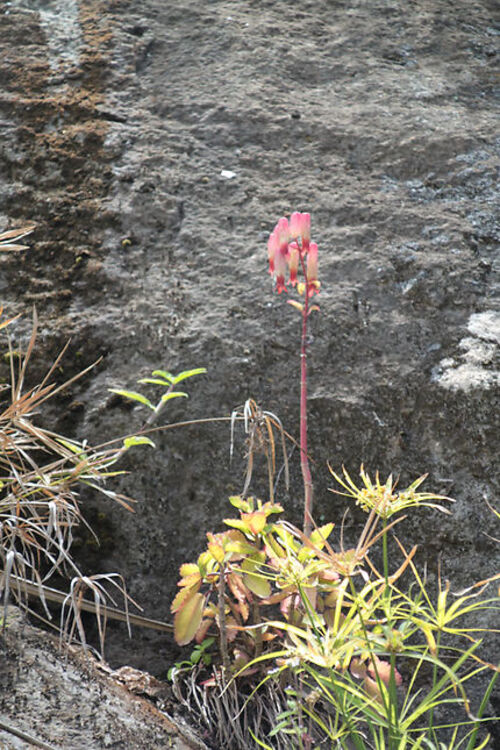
x=259, y=742
x=137, y=440
x=187, y=619
x=73, y=447
x=320, y=535
x=274, y=549
x=196, y=656
x=174, y=394
x=163, y=374
x=187, y=569
x=237, y=524
x=257, y=584
x=288, y=540
x=255, y=581
x=188, y=374
x=239, y=503
x=155, y=381
x=207, y=642
x=241, y=548
x=256, y=521
x=184, y=595
x=250, y=564
x=133, y=396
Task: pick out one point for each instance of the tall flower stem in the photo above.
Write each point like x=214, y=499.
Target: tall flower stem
x=289, y=245
x=304, y=461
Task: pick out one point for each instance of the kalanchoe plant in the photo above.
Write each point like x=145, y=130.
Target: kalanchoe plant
x=290, y=250
x=247, y=575
x=282, y=605
x=325, y=650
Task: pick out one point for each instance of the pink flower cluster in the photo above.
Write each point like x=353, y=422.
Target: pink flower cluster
x=286, y=253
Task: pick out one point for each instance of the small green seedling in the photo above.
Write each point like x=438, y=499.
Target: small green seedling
x=165, y=379
x=160, y=378
x=200, y=654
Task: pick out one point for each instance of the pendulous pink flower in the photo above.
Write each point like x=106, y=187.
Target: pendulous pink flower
x=272, y=248
x=293, y=261
x=295, y=225
x=280, y=268
x=312, y=269
x=300, y=226
x=287, y=247
x=281, y=230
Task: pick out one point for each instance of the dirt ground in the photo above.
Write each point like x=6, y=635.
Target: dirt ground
x=155, y=144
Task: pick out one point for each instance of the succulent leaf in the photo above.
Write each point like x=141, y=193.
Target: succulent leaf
x=188, y=619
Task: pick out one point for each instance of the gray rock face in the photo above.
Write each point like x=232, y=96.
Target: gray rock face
x=55, y=699
x=156, y=145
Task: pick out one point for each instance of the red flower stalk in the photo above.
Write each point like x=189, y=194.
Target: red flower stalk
x=290, y=248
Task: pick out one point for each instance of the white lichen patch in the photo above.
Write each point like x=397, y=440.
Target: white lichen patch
x=485, y=325
x=477, y=363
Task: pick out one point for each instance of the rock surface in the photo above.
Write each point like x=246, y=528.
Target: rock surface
x=57, y=698
x=155, y=145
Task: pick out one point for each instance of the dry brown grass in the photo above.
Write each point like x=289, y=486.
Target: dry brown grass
x=41, y=474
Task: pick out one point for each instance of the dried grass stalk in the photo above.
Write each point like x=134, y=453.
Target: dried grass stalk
x=40, y=475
